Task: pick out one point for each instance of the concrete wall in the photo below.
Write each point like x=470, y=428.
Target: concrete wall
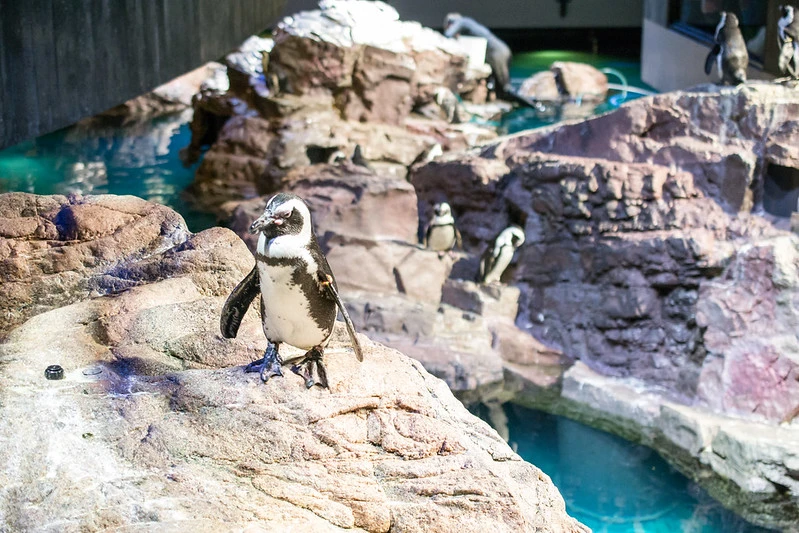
x=514, y=13
x=670, y=60
x=63, y=60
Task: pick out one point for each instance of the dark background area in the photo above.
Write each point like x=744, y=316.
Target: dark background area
x=62, y=60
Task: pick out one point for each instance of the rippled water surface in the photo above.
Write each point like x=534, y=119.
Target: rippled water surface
x=610, y=484
x=139, y=159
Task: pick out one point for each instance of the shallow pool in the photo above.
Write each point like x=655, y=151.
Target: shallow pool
x=610, y=484
x=139, y=159
x=621, y=72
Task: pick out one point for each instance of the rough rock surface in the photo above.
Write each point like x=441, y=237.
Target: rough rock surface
x=155, y=426
x=370, y=57
x=171, y=97
x=261, y=125
x=649, y=257
x=56, y=250
x=566, y=80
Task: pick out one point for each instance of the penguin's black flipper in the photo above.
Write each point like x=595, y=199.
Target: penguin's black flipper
x=711, y=58
x=237, y=304
x=486, y=264
x=358, y=158
x=329, y=287
x=458, y=238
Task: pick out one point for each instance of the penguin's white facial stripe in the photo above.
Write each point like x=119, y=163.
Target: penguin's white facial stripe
x=288, y=247
x=283, y=211
x=443, y=220
x=720, y=26
x=442, y=209
x=506, y=239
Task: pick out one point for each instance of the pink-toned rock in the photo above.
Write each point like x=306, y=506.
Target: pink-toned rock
x=345, y=200
x=624, y=231
x=150, y=386
x=566, y=80
x=580, y=80
x=389, y=267
x=451, y=344
x=253, y=156
x=377, y=66
x=541, y=86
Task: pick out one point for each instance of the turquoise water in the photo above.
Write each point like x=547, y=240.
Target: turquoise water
x=612, y=485
x=609, y=484
x=620, y=71
x=139, y=159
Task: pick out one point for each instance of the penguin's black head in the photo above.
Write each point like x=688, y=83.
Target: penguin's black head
x=730, y=20
x=285, y=214
x=442, y=209
x=450, y=19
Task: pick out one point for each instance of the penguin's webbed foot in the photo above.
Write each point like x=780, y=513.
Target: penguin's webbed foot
x=306, y=366
x=269, y=365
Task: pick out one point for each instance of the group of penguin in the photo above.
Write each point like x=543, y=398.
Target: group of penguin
x=299, y=297
x=729, y=52
x=442, y=235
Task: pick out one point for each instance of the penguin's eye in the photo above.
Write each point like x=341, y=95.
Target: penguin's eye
x=283, y=211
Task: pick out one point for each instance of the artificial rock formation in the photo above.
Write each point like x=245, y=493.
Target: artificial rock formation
x=156, y=426
x=267, y=121
x=649, y=258
x=172, y=97
x=566, y=80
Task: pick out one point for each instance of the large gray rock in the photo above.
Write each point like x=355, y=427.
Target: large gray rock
x=377, y=66
x=57, y=250
x=377, y=74
x=649, y=258
x=749, y=466
x=156, y=426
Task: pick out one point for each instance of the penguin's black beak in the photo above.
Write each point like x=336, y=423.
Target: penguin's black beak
x=260, y=223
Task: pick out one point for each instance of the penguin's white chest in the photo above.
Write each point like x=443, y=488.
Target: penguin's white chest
x=501, y=263
x=287, y=314
x=442, y=238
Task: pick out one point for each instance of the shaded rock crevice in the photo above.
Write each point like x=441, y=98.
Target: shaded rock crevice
x=649, y=261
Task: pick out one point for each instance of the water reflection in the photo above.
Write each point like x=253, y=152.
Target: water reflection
x=610, y=484
x=105, y=156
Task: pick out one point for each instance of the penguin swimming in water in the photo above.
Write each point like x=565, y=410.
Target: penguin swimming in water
x=729, y=53
x=299, y=299
x=788, y=37
x=441, y=234
x=497, y=258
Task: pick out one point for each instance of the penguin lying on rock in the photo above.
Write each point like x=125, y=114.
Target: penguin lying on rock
x=729, y=53
x=441, y=234
x=497, y=258
x=299, y=299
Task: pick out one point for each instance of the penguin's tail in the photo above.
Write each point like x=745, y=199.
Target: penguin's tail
x=739, y=76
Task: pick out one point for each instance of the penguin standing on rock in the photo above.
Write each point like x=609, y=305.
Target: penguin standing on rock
x=496, y=259
x=788, y=37
x=498, y=54
x=299, y=299
x=729, y=53
x=441, y=234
